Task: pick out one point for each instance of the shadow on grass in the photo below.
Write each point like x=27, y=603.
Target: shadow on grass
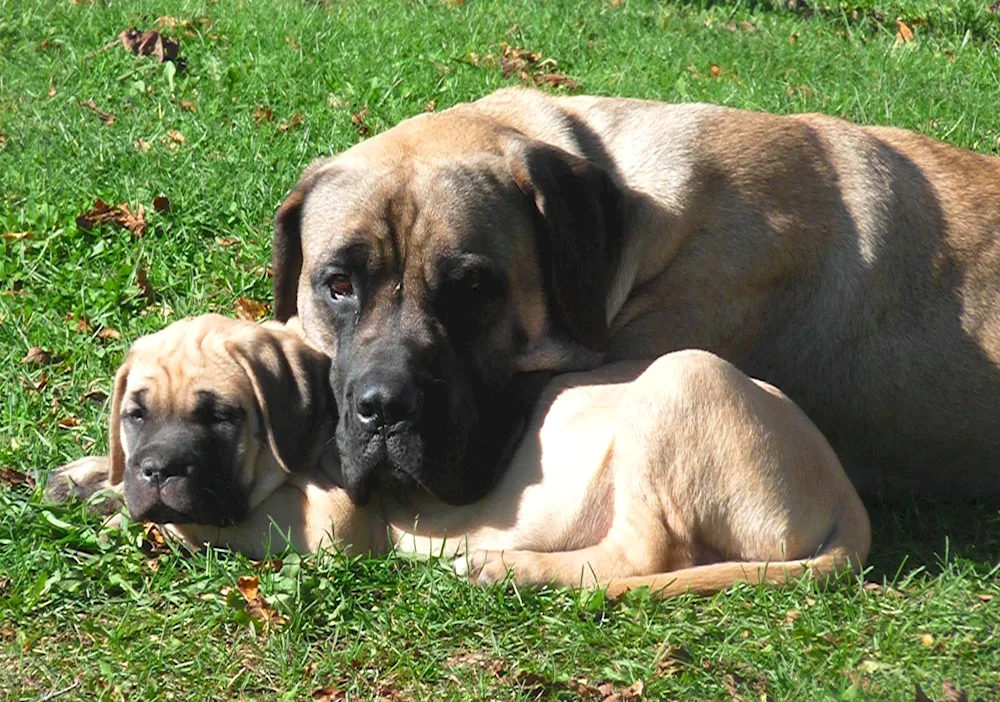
x=928, y=535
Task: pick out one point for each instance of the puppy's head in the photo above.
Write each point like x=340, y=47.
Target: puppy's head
x=210, y=414
x=434, y=263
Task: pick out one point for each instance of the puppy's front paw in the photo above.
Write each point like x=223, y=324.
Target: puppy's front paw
x=483, y=567
x=82, y=480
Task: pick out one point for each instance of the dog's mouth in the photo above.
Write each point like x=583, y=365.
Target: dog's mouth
x=175, y=501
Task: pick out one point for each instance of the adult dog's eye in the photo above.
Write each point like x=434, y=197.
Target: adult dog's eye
x=341, y=286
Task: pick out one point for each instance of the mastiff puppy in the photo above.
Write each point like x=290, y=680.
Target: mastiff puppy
x=858, y=268
x=681, y=475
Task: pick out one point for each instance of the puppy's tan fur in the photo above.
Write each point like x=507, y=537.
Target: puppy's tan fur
x=681, y=475
x=855, y=267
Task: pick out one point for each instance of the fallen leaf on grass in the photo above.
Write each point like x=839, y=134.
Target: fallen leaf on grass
x=748, y=27
x=6, y=634
x=430, y=106
x=108, y=334
x=295, y=121
x=122, y=215
x=106, y=117
x=36, y=386
x=96, y=396
x=714, y=71
x=189, y=106
x=791, y=615
x=37, y=356
x=927, y=640
x=11, y=477
x=154, y=543
x=142, y=145
x=328, y=694
x=358, y=120
x=161, y=203
x=904, y=34
x=256, y=606
x=984, y=597
x=530, y=67
x=68, y=422
x=251, y=310
x=227, y=241
x=149, y=43
x=632, y=692
x=176, y=136
x=142, y=280
x=670, y=659
x=263, y=114
x=17, y=236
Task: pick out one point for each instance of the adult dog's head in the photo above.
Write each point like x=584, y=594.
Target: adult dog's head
x=436, y=263
x=209, y=414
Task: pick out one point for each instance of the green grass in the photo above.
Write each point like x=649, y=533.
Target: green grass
x=102, y=619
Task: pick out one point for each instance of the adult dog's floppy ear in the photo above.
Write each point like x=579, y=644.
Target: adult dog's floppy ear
x=581, y=213
x=117, y=459
x=286, y=255
x=291, y=387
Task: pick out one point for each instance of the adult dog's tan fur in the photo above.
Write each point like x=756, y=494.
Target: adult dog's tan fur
x=858, y=268
x=681, y=475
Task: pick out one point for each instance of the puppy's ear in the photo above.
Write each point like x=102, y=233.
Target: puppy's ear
x=116, y=470
x=290, y=381
x=581, y=212
x=286, y=260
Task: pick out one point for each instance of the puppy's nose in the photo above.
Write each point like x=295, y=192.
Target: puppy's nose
x=387, y=402
x=159, y=468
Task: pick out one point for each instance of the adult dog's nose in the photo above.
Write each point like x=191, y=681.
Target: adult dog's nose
x=387, y=401
x=159, y=467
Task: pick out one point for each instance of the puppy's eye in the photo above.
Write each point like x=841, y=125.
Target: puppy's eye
x=135, y=414
x=341, y=286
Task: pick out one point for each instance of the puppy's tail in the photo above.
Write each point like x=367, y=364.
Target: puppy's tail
x=846, y=549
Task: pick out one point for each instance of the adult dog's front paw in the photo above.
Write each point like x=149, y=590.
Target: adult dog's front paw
x=483, y=567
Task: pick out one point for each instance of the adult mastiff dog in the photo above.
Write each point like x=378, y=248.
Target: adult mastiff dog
x=857, y=268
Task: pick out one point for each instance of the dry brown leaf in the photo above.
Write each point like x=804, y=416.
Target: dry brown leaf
x=328, y=694
x=430, y=106
x=714, y=71
x=68, y=422
x=6, y=634
x=249, y=586
x=108, y=333
x=176, y=136
x=83, y=326
x=256, y=606
x=153, y=541
x=927, y=640
x=903, y=33
x=189, y=106
x=791, y=615
x=952, y=693
x=161, y=203
x=106, y=117
x=142, y=145
x=227, y=241
x=295, y=121
x=37, y=386
x=358, y=120
x=792, y=38
x=122, y=215
x=145, y=287
x=670, y=659
x=17, y=236
x=984, y=597
x=37, y=356
x=251, y=310
x=555, y=80
x=149, y=43
x=96, y=396
x=263, y=114
x=11, y=477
